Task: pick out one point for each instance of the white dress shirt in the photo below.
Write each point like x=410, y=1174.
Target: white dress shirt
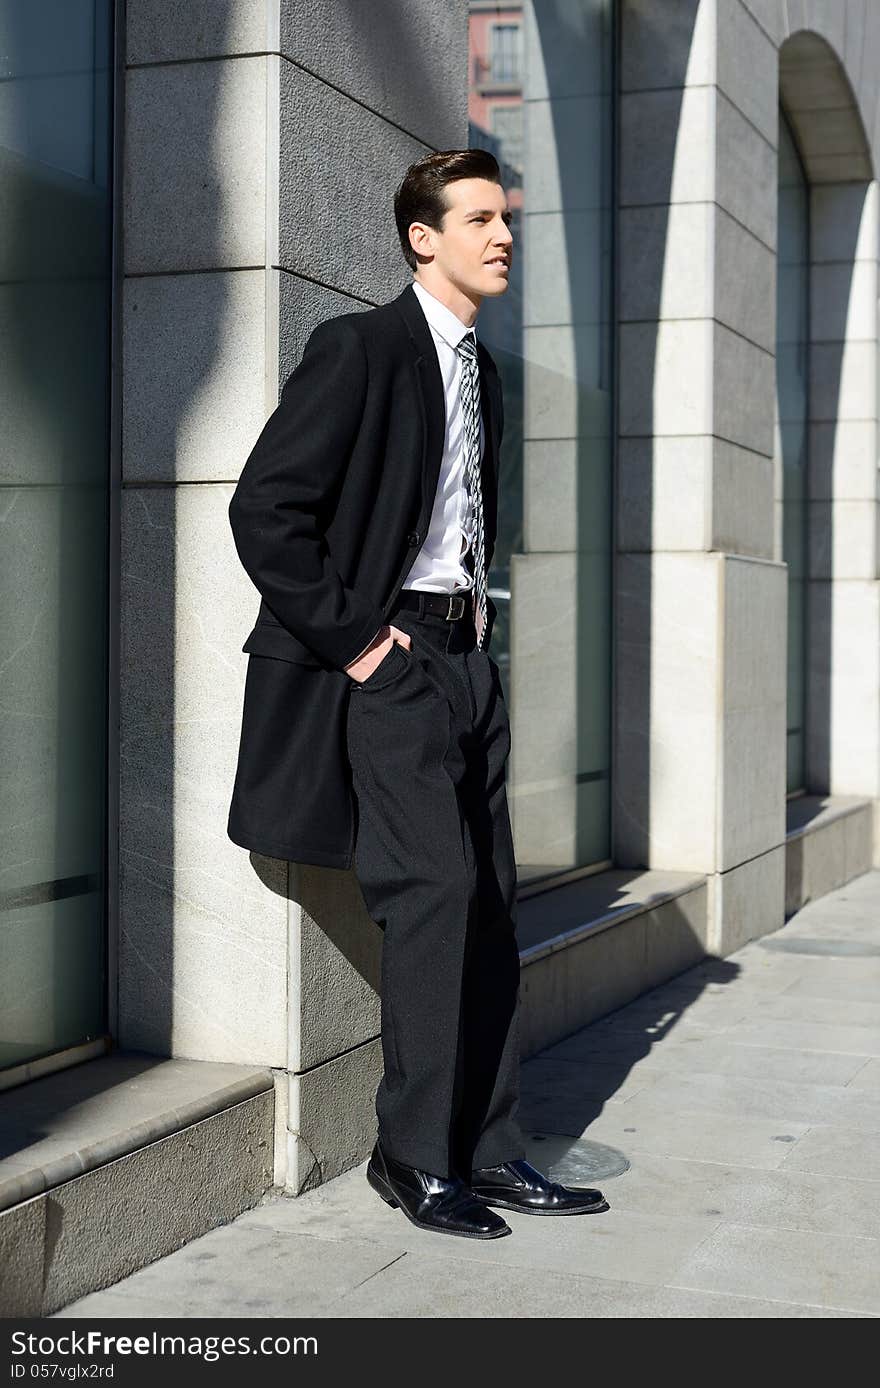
x=439, y=565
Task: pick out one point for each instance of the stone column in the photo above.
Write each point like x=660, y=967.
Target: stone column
x=843, y=711
x=699, y=771
x=263, y=143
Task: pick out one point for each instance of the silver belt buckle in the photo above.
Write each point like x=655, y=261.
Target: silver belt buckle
x=453, y=616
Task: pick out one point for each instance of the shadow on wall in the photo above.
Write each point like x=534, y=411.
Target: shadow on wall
x=567, y=1086
x=812, y=83
x=177, y=225
x=649, y=123
x=190, y=299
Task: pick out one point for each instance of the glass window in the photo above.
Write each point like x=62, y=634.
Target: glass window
x=55, y=300
x=551, y=335
x=505, y=52
x=792, y=334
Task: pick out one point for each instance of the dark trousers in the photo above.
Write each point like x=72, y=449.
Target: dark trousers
x=428, y=737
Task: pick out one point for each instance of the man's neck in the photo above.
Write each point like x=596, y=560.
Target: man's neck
x=451, y=297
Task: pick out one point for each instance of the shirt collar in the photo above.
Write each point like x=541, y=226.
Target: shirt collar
x=441, y=319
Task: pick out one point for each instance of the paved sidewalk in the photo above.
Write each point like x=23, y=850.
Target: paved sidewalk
x=745, y=1095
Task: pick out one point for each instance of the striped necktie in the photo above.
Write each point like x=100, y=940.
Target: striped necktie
x=470, y=408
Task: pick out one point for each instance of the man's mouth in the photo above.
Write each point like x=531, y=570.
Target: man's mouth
x=499, y=260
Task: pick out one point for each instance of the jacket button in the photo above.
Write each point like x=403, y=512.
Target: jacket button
x=413, y=538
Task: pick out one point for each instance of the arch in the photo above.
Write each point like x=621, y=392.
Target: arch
x=823, y=111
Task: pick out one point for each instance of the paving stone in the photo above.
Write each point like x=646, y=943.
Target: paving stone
x=744, y=1094
x=706, y=1052
x=783, y=1199
x=747, y=1142
x=243, y=1270
x=556, y=1092
x=818, y=1270
x=841, y=987
x=771, y=1098
x=838, y=1152
x=602, y=1245
x=813, y=1008
x=808, y=1036
x=414, y=1287
x=867, y=1076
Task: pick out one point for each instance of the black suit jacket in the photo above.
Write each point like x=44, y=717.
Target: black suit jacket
x=330, y=511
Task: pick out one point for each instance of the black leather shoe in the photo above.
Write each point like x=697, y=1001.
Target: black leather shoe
x=517, y=1185
x=443, y=1205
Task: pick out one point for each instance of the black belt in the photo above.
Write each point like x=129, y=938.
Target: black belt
x=452, y=606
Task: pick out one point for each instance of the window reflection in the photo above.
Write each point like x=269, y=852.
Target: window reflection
x=541, y=99
x=55, y=299
x=792, y=290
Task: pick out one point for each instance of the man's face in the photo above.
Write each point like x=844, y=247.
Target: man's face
x=474, y=248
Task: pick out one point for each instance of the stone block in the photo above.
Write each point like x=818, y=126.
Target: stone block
x=666, y=261
x=203, y=971
x=676, y=937
x=753, y=693
x=665, y=763
x=562, y=167
x=667, y=153
x=843, y=460
x=103, y=1226
x=663, y=494
x=195, y=166
x=22, y=1244
x=742, y=504
x=332, y=1116
x=843, y=539
x=666, y=378
x=859, y=841
x=554, y=481
x=747, y=65
x=196, y=381
x=744, y=285
x=302, y=305
x=561, y=367
x=386, y=59
x=850, y=651
x=743, y=388
x=336, y=953
x=669, y=50
x=771, y=16
x=746, y=172
x=554, y=290
x=747, y=901
x=162, y=31
x=843, y=300
x=843, y=222
x=336, y=216
x=843, y=380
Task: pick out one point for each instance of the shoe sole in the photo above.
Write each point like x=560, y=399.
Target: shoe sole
x=525, y=1209
x=378, y=1185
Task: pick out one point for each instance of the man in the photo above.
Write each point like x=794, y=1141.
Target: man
x=374, y=729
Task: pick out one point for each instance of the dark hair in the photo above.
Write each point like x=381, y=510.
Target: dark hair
x=420, y=197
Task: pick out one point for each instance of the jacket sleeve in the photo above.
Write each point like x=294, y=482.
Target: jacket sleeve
x=286, y=494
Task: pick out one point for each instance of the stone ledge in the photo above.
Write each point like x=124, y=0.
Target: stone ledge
x=92, y=1231
x=829, y=840
x=563, y=916
x=61, y=1126
x=593, y=945
x=807, y=813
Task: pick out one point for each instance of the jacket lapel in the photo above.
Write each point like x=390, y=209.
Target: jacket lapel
x=433, y=402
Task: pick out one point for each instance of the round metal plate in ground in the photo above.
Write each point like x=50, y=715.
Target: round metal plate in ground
x=845, y=949
x=572, y=1160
